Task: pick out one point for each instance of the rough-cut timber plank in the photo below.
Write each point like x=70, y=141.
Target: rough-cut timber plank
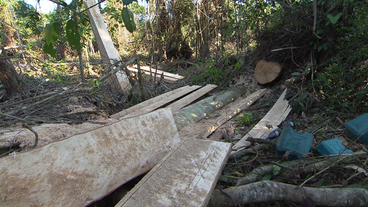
x=159, y=72
x=233, y=111
x=109, y=54
x=166, y=78
x=184, y=177
x=199, y=110
x=186, y=89
x=85, y=167
x=190, y=98
x=269, y=122
x=159, y=103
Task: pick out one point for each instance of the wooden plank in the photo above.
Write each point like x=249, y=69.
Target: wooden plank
x=166, y=78
x=190, y=98
x=148, y=102
x=146, y=68
x=109, y=54
x=85, y=167
x=184, y=177
x=159, y=103
x=268, y=123
x=233, y=111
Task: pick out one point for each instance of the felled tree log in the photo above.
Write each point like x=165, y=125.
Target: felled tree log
x=266, y=72
x=269, y=191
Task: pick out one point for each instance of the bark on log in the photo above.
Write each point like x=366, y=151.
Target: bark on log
x=270, y=191
x=266, y=72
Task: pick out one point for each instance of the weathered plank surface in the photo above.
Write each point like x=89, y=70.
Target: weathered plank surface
x=85, y=167
x=185, y=89
x=184, y=177
x=268, y=123
x=109, y=54
x=233, y=111
x=167, y=77
x=159, y=103
x=190, y=98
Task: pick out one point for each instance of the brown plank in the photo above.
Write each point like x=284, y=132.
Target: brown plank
x=85, y=167
x=186, y=89
x=233, y=111
x=279, y=111
x=190, y=98
x=184, y=177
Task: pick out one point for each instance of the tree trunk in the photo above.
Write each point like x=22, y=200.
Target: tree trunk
x=204, y=31
x=60, y=46
x=8, y=76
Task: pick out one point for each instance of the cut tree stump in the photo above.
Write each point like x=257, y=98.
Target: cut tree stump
x=268, y=123
x=184, y=177
x=86, y=167
x=266, y=72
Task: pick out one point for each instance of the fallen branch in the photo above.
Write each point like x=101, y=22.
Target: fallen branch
x=115, y=70
x=270, y=191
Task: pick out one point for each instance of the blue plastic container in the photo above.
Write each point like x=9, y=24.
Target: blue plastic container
x=296, y=142
x=332, y=147
x=358, y=127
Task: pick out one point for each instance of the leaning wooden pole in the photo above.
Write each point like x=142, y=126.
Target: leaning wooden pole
x=109, y=55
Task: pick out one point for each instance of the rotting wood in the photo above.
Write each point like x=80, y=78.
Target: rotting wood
x=199, y=110
x=85, y=167
x=144, y=104
x=269, y=122
x=230, y=113
x=190, y=98
x=109, y=55
x=184, y=177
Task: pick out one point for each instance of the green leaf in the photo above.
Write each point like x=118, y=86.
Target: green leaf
x=128, y=18
x=49, y=49
x=224, y=179
x=127, y=2
x=334, y=19
x=296, y=74
x=267, y=177
x=276, y=170
x=49, y=33
x=72, y=35
x=320, y=183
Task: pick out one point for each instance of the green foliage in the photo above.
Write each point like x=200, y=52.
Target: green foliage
x=245, y=119
x=73, y=35
x=128, y=18
x=212, y=75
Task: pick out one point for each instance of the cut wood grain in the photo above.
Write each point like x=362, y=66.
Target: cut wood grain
x=185, y=89
x=266, y=72
x=190, y=98
x=233, y=111
x=184, y=177
x=161, y=102
x=268, y=123
x=85, y=167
